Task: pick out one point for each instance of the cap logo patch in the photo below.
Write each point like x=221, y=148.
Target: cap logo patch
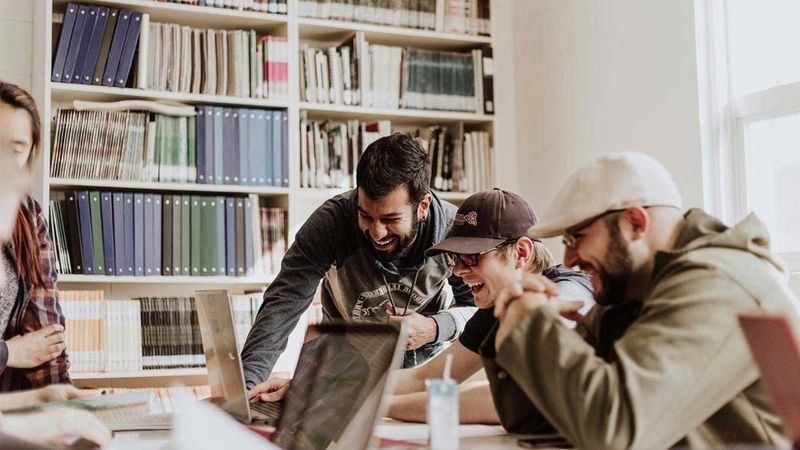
x=470, y=218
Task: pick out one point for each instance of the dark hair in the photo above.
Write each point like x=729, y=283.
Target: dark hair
x=392, y=161
x=16, y=97
x=24, y=238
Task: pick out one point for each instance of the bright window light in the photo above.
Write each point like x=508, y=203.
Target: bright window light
x=763, y=37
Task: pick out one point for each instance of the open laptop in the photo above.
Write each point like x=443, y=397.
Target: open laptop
x=339, y=387
x=775, y=348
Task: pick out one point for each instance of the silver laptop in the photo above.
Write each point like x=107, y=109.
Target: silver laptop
x=339, y=387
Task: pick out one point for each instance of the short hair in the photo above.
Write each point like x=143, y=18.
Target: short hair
x=16, y=97
x=393, y=161
x=542, y=257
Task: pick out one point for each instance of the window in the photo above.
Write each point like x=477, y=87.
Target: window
x=750, y=99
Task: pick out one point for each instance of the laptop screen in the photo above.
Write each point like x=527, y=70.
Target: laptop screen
x=338, y=385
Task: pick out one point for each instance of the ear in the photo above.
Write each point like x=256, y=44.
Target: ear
x=524, y=248
x=424, y=205
x=639, y=221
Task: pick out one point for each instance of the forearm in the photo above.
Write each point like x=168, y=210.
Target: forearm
x=409, y=380
x=19, y=399
x=474, y=404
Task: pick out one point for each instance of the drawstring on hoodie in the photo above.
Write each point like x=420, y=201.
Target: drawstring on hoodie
x=410, y=295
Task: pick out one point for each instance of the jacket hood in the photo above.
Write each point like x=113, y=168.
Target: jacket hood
x=702, y=230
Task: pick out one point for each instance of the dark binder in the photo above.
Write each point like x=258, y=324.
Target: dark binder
x=260, y=126
x=149, y=234
x=157, y=234
x=105, y=46
x=488, y=81
x=222, y=267
x=97, y=233
x=119, y=232
x=70, y=15
x=186, y=235
x=94, y=45
x=230, y=134
x=138, y=234
x=86, y=40
x=249, y=266
x=284, y=148
x=244, y=146
x=200, y=140
x=177, y=235
x=128, y=50
x=115, y=53
x=85, y=220
x=230, y=236
x=277, y=143
x=166, y=235
x=107, y=213
x=75, y=44
x=209, y=144
x=240, y=257
x=73, y=232
x=196, y=225
x=128, y=214
x=219, y=145
x=267, y=148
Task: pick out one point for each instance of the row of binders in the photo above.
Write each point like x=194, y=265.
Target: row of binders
x=359, y=73
x=450, y=16
x=146, y=234
x=218, y=145
x=267, y=6
x=216, y=62
x=97, y=45
x=142, y=333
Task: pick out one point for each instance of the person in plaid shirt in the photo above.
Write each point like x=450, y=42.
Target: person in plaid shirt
x=32, y=349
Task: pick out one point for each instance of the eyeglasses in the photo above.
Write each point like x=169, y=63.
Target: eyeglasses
x=471, y=259
x=571, y=239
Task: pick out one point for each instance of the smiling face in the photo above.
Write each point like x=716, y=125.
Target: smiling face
x=600, y=251
x=391, y=223
x=494, y=271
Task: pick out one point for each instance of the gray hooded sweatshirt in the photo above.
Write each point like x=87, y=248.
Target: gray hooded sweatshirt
x=356, y=285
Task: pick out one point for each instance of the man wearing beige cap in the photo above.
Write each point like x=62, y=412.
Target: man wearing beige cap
x=666, y=363
x=489, y=249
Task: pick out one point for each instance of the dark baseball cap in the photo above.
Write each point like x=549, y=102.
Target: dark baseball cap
x=485, y=220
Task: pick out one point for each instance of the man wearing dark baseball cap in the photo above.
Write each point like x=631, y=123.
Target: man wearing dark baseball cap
x=666, y=363
x=489, y=248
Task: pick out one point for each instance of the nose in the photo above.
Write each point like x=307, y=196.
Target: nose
x=460, y=268
x=571, y=257
x=377, y=230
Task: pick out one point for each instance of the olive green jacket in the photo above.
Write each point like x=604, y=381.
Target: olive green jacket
x=672, y=370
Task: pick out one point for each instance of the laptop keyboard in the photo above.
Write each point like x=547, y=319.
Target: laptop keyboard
x=270, y=409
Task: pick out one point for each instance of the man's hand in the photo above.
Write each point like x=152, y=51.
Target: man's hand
x=57, y=426
x=36, y=348
x=421, y=329
x=272, y=390
x=520, y=300
x=59, y=392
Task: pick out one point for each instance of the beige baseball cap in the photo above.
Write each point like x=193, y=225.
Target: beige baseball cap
x=611, y=182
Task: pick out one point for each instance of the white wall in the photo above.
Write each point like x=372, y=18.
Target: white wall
x=594, y=77
x=16, y=42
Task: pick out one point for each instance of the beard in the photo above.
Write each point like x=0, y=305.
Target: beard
x=616, y=274
x=403, y=242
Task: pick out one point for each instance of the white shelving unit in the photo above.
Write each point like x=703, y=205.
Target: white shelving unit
x=300, y=202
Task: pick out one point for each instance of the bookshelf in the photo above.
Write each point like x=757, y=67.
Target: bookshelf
x=299, y=202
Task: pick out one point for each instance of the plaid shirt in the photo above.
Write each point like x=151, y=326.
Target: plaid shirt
x=35, y=309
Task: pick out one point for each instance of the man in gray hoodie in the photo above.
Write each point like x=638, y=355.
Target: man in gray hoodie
x=662, y=361
x=368, y=246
